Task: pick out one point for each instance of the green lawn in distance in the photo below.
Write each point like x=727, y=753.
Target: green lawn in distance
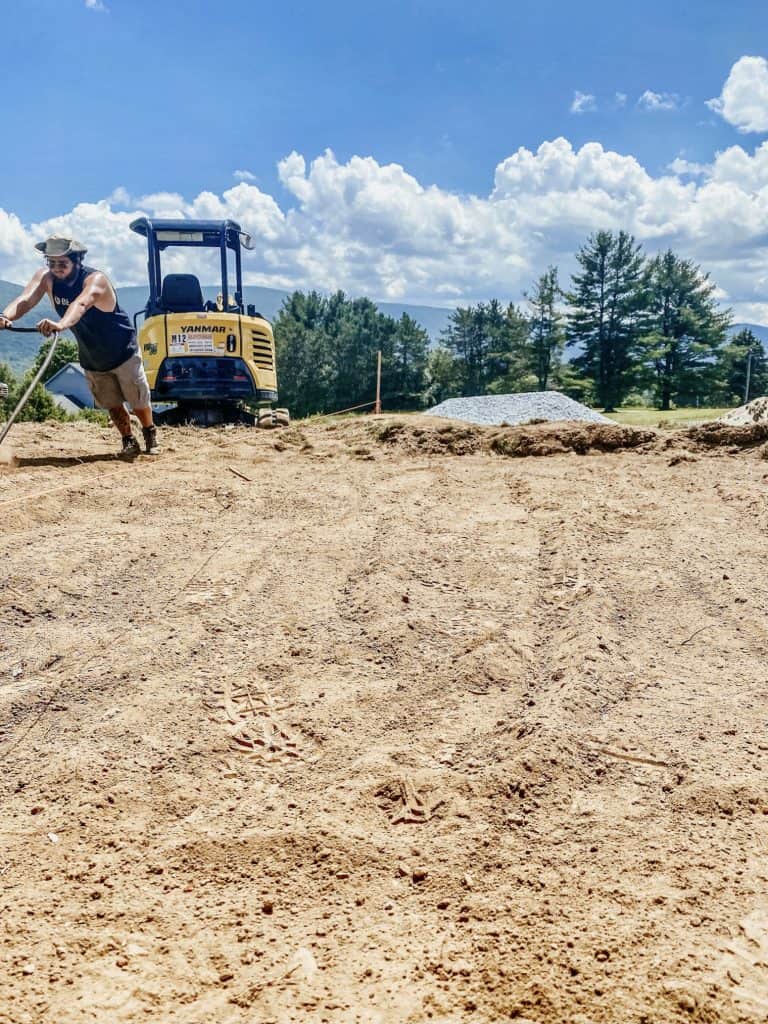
x=672, y=418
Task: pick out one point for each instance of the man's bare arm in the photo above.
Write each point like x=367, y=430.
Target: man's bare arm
x=28, y=299
x=96, y=290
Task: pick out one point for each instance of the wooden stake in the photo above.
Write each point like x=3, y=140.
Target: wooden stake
x=377, y=406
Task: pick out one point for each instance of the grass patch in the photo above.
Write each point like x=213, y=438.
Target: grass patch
x=672, y=418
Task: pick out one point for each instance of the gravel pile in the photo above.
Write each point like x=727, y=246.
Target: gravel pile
x=755, y=411
x=513, y=409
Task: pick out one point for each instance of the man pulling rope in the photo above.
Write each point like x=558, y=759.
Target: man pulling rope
x=87, y=305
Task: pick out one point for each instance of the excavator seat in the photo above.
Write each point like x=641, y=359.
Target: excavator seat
x=182, y=293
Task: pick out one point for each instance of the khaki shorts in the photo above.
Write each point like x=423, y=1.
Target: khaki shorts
x=126, y=383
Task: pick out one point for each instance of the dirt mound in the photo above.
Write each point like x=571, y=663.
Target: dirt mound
x=417, y=435
x=553, y=439
x=719, y=434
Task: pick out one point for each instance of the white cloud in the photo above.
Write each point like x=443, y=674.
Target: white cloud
x=744, y=99
x=120, y=197
x=620, y=99
x=658, y=101
x=375, y=230
x=583, y=102
x=680, y=166
x=244, y=176
x=96, y=5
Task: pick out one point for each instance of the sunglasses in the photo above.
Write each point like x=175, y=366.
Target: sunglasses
x=58, y=264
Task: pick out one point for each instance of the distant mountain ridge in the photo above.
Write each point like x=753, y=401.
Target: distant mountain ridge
x=759, y=331
x=269, y=300
x=19, y=350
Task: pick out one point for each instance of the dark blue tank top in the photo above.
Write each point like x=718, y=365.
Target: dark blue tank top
x=104, y=340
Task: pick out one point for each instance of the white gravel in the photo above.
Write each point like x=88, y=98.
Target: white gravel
x=494, y=410
x=755, y=411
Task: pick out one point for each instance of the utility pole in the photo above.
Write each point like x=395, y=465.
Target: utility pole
x=749, y=373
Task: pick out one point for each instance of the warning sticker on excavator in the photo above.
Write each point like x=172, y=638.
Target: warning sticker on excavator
x=192, y=344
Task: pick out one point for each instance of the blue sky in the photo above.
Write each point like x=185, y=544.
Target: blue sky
x=117, y=102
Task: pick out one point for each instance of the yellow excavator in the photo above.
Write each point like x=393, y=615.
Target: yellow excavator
x=207, y=362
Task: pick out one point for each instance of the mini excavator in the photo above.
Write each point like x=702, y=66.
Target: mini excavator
x=209, y=362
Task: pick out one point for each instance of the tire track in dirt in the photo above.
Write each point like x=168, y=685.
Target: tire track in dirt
x=552, y=881
x=585, y=701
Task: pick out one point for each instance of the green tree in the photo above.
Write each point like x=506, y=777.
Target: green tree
x=7, y=377
x=364, y=332
x=515, y=363
x=304, y=361
x=40, y=404
x=604, y=320
x=546, y=327
x=462, y=340
x=684, y=329
x=405, y=381
x=744, y=352
x=443, y=375
x=66, y=352
x=478, y=337
x=327, y=352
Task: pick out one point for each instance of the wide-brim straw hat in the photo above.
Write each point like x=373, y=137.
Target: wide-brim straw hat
x=59, y=245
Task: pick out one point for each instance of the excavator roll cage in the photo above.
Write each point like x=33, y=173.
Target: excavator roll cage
x=211, y=234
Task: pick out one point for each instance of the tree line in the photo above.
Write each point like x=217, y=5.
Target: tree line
x=628, y=328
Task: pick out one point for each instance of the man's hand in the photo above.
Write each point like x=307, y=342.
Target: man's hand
x=48, y=327
x=5, y=322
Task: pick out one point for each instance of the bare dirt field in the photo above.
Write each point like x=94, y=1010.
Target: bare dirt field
x=375, y=721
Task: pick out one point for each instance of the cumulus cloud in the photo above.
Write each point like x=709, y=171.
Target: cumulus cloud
x=744, y=99
x=681, y=166
x=658, y=101
x=583, y=102
x=244, y=176
x=96, y=5
x=374, y=229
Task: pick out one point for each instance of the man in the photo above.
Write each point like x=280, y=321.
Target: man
x=86, y=304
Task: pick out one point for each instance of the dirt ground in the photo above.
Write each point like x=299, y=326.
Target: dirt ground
x=373, y=721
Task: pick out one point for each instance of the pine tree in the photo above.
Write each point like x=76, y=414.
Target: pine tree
x=327, y=352
x=478, y=337
x=464, y=338
x=684, y=329
x=546, y=330
x=514, y=364
x=605, y=304
x=304, y=364
x=362, y=333
x=404, y=383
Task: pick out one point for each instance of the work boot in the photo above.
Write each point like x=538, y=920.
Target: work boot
x=151, y=446
x=130, y=448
